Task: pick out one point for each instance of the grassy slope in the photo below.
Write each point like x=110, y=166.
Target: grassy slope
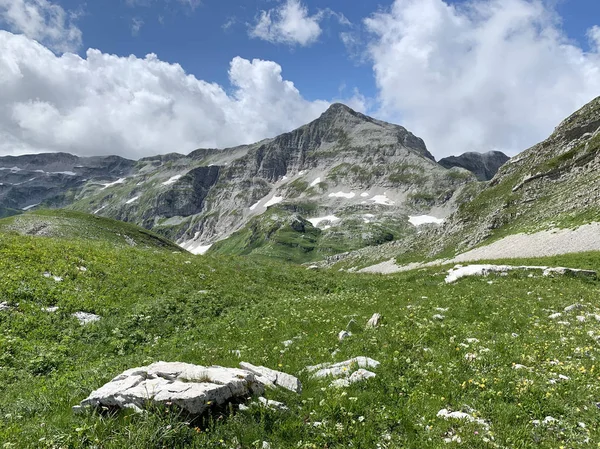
x=270, y=235
x=157, y=305
x=66, y=224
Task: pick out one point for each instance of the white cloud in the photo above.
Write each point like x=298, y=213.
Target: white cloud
x=291, y=24
x=488, y=74
x=594, y=36
x=43, y=21
x=136, y=26
x=105, y=104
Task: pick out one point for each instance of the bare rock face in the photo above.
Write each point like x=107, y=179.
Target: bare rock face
x=483, y=165
x=193, y=388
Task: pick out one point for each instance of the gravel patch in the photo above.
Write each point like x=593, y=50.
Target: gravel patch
x=552, y=242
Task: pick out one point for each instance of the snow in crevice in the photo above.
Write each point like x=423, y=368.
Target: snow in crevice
x=329, y=218
x=172, y=180
x=195, y=246
x=31, y=206
x=348, y=196
x=255, y=205
x=315, y=182
x=383, y=200
x=111, y=184
x=418, y=220
x=132, y=200
x=273, y=201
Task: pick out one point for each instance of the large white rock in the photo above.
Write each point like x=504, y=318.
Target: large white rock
x=268, y=377
x=193, y=388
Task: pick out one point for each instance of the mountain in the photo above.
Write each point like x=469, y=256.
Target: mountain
x=29, y=180
x=554, y=184
x=350, y=179
x=483, y=165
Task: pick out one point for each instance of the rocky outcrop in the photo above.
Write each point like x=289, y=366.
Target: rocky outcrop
x=193, y=388
x=483, y=165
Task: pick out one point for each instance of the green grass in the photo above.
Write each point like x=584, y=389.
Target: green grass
x=157, y=305
x=67, y=224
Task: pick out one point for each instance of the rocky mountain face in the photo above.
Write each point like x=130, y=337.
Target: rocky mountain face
x=555, y=183
x=341, y=182
x=483, y=165
x=27, y=181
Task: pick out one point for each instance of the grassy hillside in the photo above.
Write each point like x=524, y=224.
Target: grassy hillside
x=160, y=305
x=281, y=234
x=70, y=225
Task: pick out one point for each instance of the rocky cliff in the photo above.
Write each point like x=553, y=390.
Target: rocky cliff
x=483, y=165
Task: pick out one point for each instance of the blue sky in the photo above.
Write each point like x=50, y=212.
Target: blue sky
x=197, y=39
x=469, y=75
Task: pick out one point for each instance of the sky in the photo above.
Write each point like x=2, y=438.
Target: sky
x=143, y=77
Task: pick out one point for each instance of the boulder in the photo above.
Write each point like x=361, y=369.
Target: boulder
x=374, y=321
x=269, y=377
x=191, y=387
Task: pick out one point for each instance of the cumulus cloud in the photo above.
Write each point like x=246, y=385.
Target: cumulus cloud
x=288, y=24
x=43, y=21
x=291, y=24
x=106, y=104
x=488, y=74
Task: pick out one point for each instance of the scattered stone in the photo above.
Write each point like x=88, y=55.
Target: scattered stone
x=547, y=420
x=236, y=352
x=446, y=414
x=374, y=321
x=313, y=267
x=470, y=357
x=442, y=309
x=288, y=343
x=266, y=445
x=438, y=317
x=518, y=366
x=50, y=275
x=580, y=318
x=243, y=407
x=4, y=306
x=555, y=315
x=341, y=369
x=50, y=309
x=343, y=335
x=86, y=318
x=356, y=376
x=269, y=377
x=472, y=340
x=573, y=307
x=273, y=405
x=82, y=269
x=193, y=388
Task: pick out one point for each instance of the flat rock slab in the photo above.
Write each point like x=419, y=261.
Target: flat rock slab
x=458, y=272
x=191, y=387
x=269, y=377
